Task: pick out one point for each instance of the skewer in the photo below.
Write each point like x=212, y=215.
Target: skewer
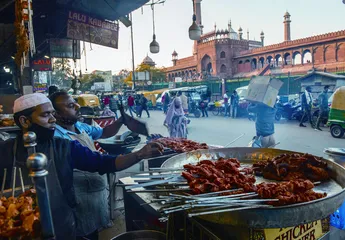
x=3, y=182
x=223, y=197
x=14, y=174
x=21, y=180
x=228, y=210
x=216, y=193
x=227, y=145
x=158, y=176
x=159, y=170
x=158, y=190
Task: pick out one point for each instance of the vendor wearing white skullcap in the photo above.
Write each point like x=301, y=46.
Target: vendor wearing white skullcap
x=34, y=112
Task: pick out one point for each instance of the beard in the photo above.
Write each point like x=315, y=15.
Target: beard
x=67, y=121
x=43, y=134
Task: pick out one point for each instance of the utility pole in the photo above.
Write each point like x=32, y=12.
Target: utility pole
x=133, y=66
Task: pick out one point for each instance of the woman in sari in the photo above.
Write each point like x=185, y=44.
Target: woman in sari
x=175, y=120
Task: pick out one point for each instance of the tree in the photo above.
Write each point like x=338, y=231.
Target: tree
x=87, y=81
x=62, y=73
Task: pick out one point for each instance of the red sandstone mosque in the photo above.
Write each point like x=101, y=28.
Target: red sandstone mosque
x=228, y=54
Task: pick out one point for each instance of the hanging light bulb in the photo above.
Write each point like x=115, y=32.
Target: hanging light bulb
x=154, y=46
x=194, y=30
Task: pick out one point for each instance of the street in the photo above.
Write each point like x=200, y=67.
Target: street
x=218, y=130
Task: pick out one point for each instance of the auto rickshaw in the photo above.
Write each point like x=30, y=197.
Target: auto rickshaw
x=336, y=118
x=89, y=104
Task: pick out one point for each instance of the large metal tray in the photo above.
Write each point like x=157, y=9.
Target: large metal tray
x=277, y=217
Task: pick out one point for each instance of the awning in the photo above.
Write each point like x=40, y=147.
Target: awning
x=104, y=9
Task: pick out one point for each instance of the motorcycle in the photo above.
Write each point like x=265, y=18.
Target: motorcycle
x=193, y=108
x=289, y=110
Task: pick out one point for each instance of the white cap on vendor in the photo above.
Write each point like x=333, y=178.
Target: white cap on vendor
x=29, y=101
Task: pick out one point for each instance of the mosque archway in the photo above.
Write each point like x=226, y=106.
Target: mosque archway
x=223, y=69
x=254, y=64
x=261, y=62
x=307, y=58
x=269, y=59
x=287, y=59
x=296, y=58
x=278, y=60
x=206, y=64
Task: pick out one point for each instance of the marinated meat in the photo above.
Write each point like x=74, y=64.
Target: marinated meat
x=293, y=166
x=291, y=192
x=213, y=176
x=180, y=144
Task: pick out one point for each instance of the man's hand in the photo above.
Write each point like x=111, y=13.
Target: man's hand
x=150, y=150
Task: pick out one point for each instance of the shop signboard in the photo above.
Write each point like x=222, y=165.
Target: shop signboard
x=142, y=76
x=86, y=28
x=41, y=64
x=40, y=87
x=64, y=48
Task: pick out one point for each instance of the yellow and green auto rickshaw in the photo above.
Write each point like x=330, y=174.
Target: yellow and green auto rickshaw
x=336, y=118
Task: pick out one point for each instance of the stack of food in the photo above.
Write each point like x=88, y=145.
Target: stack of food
x=6, y=120
x=181, y=145
x=294, y=170
x=19, y=217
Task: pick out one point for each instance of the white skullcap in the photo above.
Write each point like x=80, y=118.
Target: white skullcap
x=29, y=101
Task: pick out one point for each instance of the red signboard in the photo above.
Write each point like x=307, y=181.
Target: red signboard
x=41, y=64
x=83, y=27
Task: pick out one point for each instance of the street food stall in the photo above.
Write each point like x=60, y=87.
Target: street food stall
x=178, y=198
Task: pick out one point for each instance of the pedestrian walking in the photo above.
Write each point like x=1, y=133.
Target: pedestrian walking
x=226, y=103
x=234, y=104
x=143, y=104
x=323, y=107
x=184, y=100
x=166, y=102
x=203, y=105
x=175, y=120
x=137, y=105
x=264, y=123
x=113, y=105
x=130, y=103
x=306, y=102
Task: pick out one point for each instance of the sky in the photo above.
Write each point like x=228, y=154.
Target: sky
x=174, y=17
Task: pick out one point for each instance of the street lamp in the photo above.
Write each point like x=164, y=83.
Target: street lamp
x=154, y=46
x=194, y=30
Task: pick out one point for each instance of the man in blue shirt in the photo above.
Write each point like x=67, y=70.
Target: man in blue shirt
x=34, y=112
x=92, y=210
x=264, y=124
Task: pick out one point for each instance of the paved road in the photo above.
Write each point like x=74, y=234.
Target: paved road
x=220, y=131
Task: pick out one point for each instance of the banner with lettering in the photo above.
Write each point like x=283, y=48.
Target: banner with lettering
x=41, y=64
x=310, y=231
x=83, y=27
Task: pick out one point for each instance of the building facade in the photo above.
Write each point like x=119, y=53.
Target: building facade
x=230, y=54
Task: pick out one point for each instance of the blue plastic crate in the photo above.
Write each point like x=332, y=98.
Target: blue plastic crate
x=338, y=217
